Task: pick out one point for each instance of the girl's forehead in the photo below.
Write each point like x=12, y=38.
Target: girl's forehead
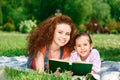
x=82, y=38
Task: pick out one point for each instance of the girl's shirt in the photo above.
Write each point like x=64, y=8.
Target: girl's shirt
x=93, y=58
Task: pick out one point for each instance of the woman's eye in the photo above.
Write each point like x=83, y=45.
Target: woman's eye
x=60, y=32
x=68, y=34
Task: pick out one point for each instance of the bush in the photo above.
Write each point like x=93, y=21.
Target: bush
x=0, y=27
x=82, y=28
x=8, y=27
x=114, y=32
x=118, y=29
x=113, y=26
x=27, y=25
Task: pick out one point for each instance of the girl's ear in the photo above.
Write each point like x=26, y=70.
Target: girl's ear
x=75, y=47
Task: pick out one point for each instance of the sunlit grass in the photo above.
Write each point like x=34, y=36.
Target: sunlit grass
x=13, y=74
x=108, y=45
x=14, y=44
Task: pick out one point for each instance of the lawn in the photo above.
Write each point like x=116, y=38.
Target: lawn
x=108, y=45
x=14, y=44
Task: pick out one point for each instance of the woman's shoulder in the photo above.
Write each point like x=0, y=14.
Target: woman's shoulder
x=43, y=50
x=66, y=49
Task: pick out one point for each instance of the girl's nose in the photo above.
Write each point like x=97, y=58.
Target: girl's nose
x=82, y=47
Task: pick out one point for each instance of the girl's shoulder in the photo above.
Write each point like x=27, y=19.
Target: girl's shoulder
x=94, y=52
x=74, y=53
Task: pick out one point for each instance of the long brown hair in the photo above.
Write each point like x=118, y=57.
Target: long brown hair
x=43, y=34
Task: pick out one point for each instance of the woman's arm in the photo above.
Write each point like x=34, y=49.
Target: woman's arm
x=39, y=62
x=66, y=59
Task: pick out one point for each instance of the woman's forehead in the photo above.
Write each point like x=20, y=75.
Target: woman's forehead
x=63, y=27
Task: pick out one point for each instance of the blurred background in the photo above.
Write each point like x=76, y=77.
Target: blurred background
x=93, y=16
x=100, y=18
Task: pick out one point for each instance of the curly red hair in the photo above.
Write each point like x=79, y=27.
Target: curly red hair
x=43, y=34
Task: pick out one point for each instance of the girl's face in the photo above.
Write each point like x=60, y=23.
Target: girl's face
x=83, y=47
x=62, y=34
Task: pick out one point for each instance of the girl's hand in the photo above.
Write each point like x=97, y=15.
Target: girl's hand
x=93, y=72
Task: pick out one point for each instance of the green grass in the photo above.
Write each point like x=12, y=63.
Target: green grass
x=108, y=45
x=13, y=74
x=14, y=44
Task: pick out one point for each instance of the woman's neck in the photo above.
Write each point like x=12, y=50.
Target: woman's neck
x=54, y=51
x=54, y=47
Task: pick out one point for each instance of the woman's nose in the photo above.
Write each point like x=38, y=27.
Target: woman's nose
x=64, y=36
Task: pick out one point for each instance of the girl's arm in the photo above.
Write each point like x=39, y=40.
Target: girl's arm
x=96, y=61
x=74, y=56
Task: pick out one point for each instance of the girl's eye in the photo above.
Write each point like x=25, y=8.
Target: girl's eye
x=85, y=44
x=78, y=46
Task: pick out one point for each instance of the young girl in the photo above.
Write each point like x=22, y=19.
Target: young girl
x=84, y=52
x=52, y=39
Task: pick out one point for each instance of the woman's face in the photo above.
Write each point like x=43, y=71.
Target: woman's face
x=83, y=46
x=62, y=34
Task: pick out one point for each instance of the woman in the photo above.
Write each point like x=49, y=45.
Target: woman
x=52, y=39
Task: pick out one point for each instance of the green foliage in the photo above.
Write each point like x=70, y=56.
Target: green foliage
x=14, y=10
x=48, y=8
x=78, y=10
x=114, y=32
x=2, y=4
x=27, y=25
x=115, y=9
x=113, y=26
x=17, y=15
x=9, y=27
x=101, y=11
x=1, y=17
x=82, y=28
x=81, y=11
x=118, y=28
